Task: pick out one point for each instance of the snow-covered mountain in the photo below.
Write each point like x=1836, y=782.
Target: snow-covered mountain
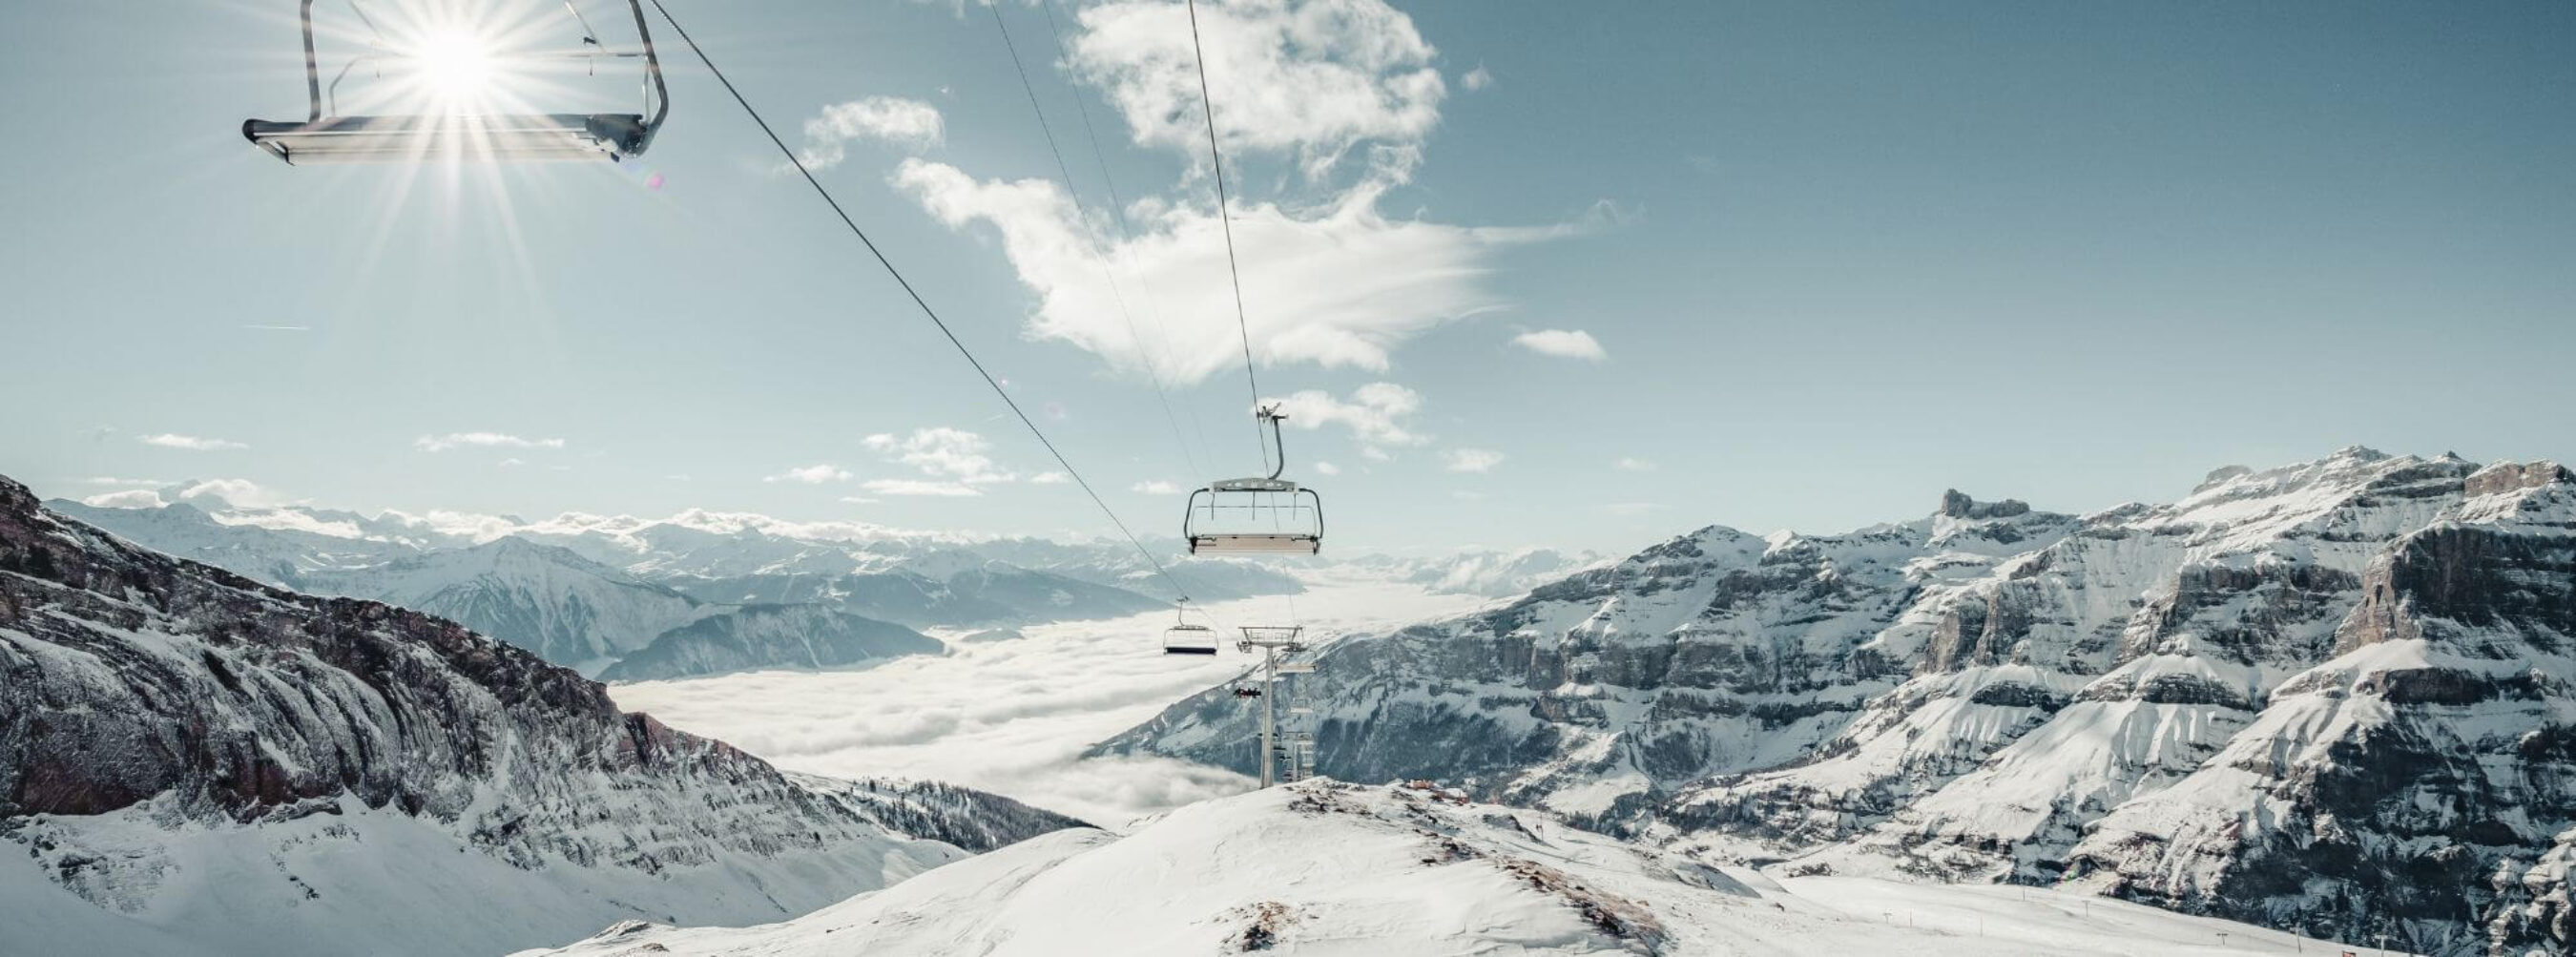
x=758, y=636
x=194, y=763
x=1321, y=867
x=566, y=608
x=956, y=592
x=1487, y=572
x=2335, y=696
x=587, y=590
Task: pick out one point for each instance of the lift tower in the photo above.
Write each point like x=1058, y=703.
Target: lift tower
x=1272, y=641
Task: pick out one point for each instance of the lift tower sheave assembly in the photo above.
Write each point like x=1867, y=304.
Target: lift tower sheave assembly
x=1272, y=641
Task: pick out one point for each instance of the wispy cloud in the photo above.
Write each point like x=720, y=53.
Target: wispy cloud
x=1155, y=487
x=1562, y=343
x=1633, y=465
x=1377, y=413
x=485, y=440
x=173, y=440
x=1327, y=468
x=1471, y=460
x=910, y=124
x=942, y=453
x=1049, y=478
x=1477, y=79
x=811, y=475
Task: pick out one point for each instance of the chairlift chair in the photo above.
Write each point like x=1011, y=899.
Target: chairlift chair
x=417, y=138
x=1184, y=638
x=1212, y=527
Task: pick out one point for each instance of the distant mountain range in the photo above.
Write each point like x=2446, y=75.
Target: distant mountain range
x=2337, y=697
x=193, y=762
x=590, y=591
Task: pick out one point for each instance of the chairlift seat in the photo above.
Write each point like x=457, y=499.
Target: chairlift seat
x=1189, y=640
x=412, y=139
x=1292, y=543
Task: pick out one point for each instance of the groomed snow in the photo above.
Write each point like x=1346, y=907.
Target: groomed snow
x=1322, y=868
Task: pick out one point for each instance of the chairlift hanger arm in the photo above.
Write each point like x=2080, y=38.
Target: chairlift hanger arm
x=312, y=69
x=1271, y=416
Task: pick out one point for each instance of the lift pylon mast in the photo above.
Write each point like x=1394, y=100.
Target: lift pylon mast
x=1272, y=641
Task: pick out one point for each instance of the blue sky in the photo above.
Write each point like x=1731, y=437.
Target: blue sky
x=1834, y=257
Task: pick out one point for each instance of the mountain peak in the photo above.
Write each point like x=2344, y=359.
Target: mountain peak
x=1957, y=504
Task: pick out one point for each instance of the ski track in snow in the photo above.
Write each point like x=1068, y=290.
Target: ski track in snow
x=1013, y=716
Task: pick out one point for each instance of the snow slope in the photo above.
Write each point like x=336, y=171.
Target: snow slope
x=1325, y=868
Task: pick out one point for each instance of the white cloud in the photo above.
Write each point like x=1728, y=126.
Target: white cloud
x=942, y=453
x=1312, y=79
x=811, y=475
x=910, y=124
x=1633, y=465
x=240, y=493
x=1155, y=487
x=485, y=440
x=859, y=500
x=511, y=463
x=920, y=487
x=1327, y=278
x=1338, y=287
x=130, y=498
x=473, y=525
x=1049, y=478
x=172, y=440
x=1477, y=79
x=1327, y=468
x=1471, y=460
x=1375, y=413
x=1562, y=343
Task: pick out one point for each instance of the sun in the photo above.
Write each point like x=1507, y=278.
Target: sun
x=456, y=67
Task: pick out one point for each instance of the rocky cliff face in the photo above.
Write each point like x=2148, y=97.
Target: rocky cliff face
x=2327, y=696
x=179, y=745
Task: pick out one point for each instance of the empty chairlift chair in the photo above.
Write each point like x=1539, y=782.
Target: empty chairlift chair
x=453, y=131
x=1184, y=638
x=1256, y=516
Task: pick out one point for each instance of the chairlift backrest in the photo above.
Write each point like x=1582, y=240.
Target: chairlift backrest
x=418, y=138
x=1187, y=639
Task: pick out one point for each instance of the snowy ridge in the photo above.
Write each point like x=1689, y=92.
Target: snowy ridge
x=260, y=771
x=2330, y=696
